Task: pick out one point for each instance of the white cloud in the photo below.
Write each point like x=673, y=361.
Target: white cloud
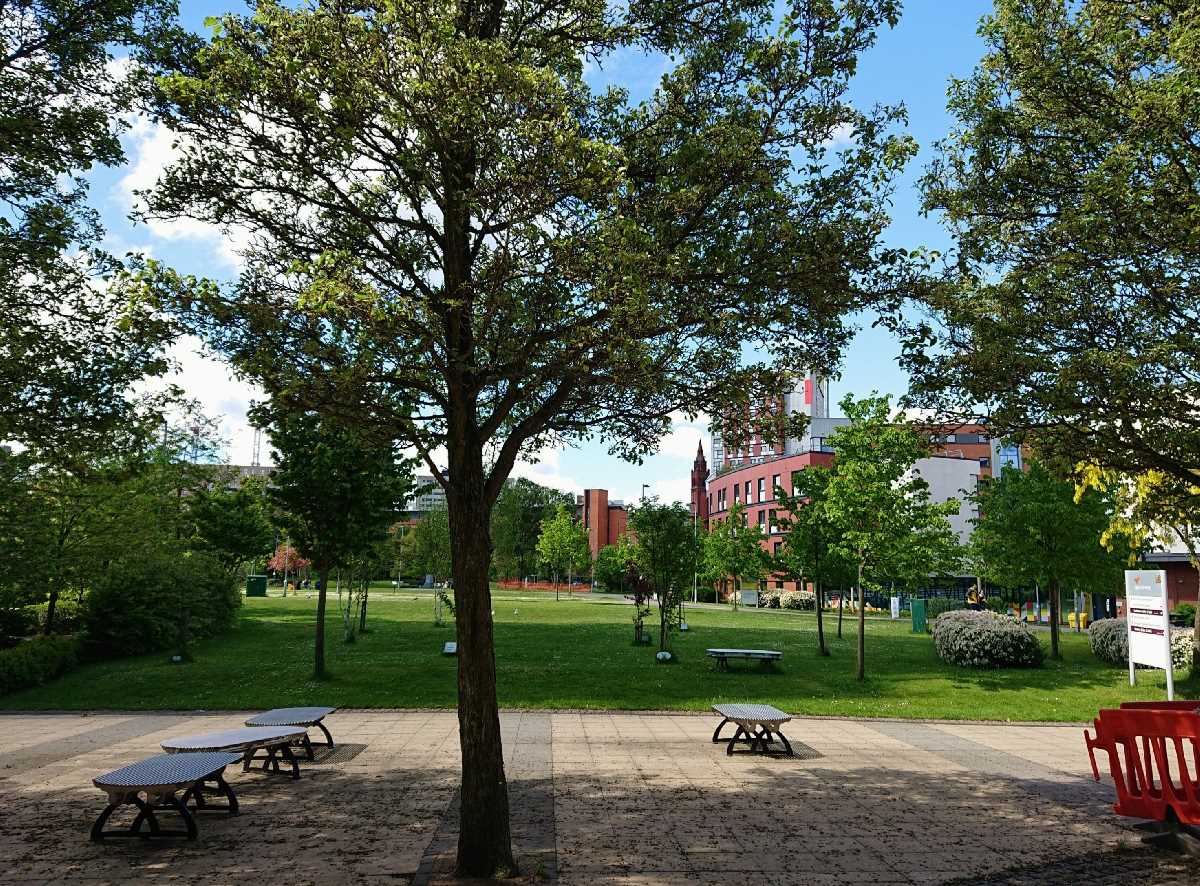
x=684, y=435
x=220, y=394
x=547, y=471
x=841, y=137
x=151, y=148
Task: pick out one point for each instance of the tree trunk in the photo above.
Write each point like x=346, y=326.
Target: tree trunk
x=841, y=606
x=51, y=605
x=860, y=668
x=1055, y=603
x=362, y=612
x=319, y=661
x=484, y=842
x=817, y=593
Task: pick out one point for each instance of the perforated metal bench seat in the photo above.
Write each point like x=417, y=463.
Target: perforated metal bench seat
x=306, y=717
x=276, y=742
x=757, y=725
x=152, y=785
x=723, y=655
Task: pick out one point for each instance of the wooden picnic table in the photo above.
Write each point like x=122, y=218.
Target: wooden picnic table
x=757, y=725
x=276, y=742
x=152, y=785
x=723, y=655
x=306, y=717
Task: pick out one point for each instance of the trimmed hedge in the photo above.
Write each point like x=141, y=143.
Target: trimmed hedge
x=33, y=662
x=159, y=602
x=1109, y=639
x=985, y=640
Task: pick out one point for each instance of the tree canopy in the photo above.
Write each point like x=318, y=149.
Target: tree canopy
x=516, y=520
x=456, y=239
x=1069, y=182
x=1033, y=530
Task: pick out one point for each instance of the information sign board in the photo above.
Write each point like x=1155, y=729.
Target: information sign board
x=895, y=608
x=1148, y=622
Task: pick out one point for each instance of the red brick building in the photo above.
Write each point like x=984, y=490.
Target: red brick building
x=605, y=520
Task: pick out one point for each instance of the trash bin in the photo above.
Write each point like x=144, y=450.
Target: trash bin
x=918, y=616
x=256, y=586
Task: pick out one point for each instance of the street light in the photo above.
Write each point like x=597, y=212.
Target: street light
x=645, y=486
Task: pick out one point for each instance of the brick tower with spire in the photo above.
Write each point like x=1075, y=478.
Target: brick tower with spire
x=700, y=486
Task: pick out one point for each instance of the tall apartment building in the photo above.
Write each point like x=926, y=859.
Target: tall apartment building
x=606, y=520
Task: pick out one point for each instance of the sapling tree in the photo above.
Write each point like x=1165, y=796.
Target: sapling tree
x=665, y=553
x=880, y=507
x=731, y=551
x=335, y=491
x=456, y=240
x=562, y=545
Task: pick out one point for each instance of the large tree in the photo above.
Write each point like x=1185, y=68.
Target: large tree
x=880, y=506
x=1070, y=184
x=1032, y=528
x=455, y=238
x=336, y=492
x=71, y=343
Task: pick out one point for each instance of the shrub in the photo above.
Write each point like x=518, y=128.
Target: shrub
x=802, y=600
x=68, y=615
x=985, y=640
x=770, y=598
x=1109, y=639
x=19, y=621
x=157, y=602
x=1184, y=615
x=33, y=662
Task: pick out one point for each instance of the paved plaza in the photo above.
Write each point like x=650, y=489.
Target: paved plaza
x=634, y=798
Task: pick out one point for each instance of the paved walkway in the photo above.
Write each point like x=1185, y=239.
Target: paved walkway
x=597, y=798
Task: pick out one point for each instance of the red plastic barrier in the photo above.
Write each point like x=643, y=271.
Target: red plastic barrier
x=1140, y=743
x=1160, y=705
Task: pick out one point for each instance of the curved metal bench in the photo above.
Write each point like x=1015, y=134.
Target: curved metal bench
x=152, y=785
x=306, y=717
x=276, y=741
x=757, y=725
x=723, y=655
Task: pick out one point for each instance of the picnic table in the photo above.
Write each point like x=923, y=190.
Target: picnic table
x=757, y=725
x=153, y=784
x=306, y=717
x=276, y=743
x=723, y=655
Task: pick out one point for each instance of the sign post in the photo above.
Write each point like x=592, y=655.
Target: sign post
x=1148, y=623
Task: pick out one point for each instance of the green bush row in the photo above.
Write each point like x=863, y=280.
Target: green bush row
x=1109, y=639
x=32, y=662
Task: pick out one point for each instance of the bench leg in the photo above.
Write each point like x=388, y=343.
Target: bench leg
x=717, y=731
x=741, y=730
x=220, y=788
x=146, y=817
x=328, y=737
x=286, y=752
x=787, y=744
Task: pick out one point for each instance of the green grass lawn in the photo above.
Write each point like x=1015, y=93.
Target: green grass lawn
x=577, y=654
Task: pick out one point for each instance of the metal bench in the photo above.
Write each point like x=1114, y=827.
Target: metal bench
x=276, y=742
x=306, y=717
x=723, y=655
x=757, y=725
x=152, y=785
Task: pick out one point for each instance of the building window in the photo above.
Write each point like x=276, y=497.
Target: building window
x=779, y=584
x=710, y=501
x=774, y=526
x=748, y=498
x=762, y=518
x=762, y=483
x=985, y=462
x=778, y=545
x=775, y=478
x=736, y=492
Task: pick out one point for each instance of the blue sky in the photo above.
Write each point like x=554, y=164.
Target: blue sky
x=934, y=41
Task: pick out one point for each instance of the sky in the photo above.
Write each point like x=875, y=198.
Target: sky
x=934, y=41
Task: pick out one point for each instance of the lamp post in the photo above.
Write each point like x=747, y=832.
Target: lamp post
x=645, y=486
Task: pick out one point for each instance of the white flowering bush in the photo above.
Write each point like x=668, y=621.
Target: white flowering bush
x=1109, y=639
x=985, y=640
x=805, y=600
